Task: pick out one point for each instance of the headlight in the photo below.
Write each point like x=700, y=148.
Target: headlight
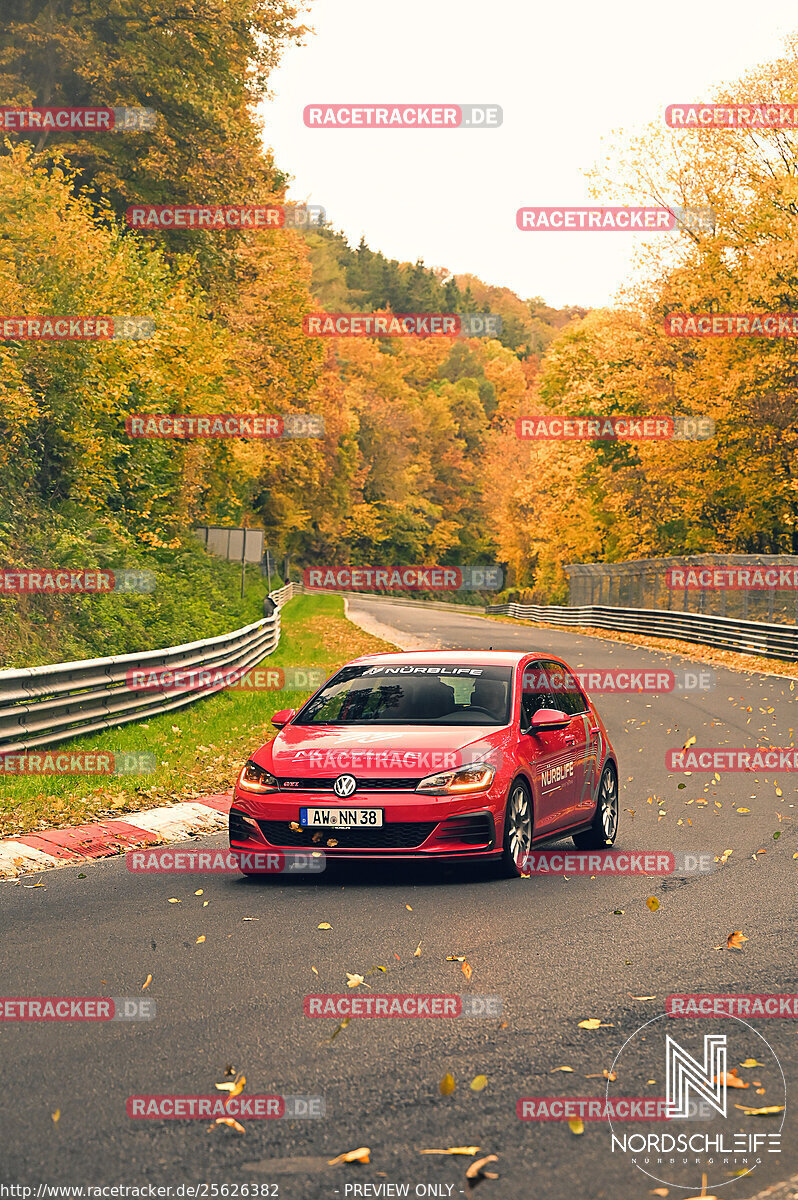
x=254, y=779
x=475, y=778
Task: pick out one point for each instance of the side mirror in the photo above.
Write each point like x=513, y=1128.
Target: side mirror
x=548, y=719
x=283, y=717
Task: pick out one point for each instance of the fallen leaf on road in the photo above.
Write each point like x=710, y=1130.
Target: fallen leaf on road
x=201, y=938
x=653, y=903
x=235, y=1088
x=658, y=1192
x=455, y=958
x=735, y=940
x=313, y=969
x=732, y=1079
x=361, y=1155
x=595, y=1023
x=629, y=994
x=409, y=909
x=761, y=1112
x=690, y=742
x=466, y=969
x=417, y=951
x=199, y=893
x=173, y=900
x=447, y=1085
x=56, y=1116
x=231, y=1121
x=324, y=925
x=477, y=1171
x=751, y=1062
x=146, y=982
x=576, y=1125
x=338, y=1028
x=551, y=1072
x=354, y=980
x=478, y=1083
x=469, y=1150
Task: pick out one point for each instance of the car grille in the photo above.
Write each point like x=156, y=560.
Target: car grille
x=396, y=835
x=363, y=785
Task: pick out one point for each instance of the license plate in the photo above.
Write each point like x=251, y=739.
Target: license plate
x=341, y=818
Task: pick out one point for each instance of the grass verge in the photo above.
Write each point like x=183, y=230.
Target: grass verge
x=199, y=749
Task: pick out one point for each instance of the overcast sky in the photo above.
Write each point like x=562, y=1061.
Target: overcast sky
x=566, y=74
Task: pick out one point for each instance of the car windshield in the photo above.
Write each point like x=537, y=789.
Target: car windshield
x=412, y=694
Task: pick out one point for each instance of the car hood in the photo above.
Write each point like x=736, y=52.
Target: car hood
x=401, y=750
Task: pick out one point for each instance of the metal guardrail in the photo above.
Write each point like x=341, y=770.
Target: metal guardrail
x=43, y=705
x=729, y=633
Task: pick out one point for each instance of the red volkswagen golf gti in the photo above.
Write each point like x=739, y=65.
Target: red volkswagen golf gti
x=464, y=754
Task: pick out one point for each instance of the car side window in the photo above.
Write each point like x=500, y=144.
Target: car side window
x=536, y=691
x=565, y=686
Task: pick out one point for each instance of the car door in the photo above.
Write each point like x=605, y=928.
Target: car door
x=548, y=756
x=578, y=741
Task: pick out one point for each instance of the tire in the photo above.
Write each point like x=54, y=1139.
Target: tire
x=517, y=840
x=604, y=829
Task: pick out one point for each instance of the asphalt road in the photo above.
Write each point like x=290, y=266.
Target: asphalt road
x=556, y=951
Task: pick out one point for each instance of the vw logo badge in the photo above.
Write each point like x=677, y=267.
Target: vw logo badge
x=344, y=785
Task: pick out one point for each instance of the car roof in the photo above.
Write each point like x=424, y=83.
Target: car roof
x=446, y=658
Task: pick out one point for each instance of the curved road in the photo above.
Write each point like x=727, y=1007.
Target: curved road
x=556, y=951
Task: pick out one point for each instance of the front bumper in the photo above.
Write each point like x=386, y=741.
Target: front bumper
x=415, y=826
